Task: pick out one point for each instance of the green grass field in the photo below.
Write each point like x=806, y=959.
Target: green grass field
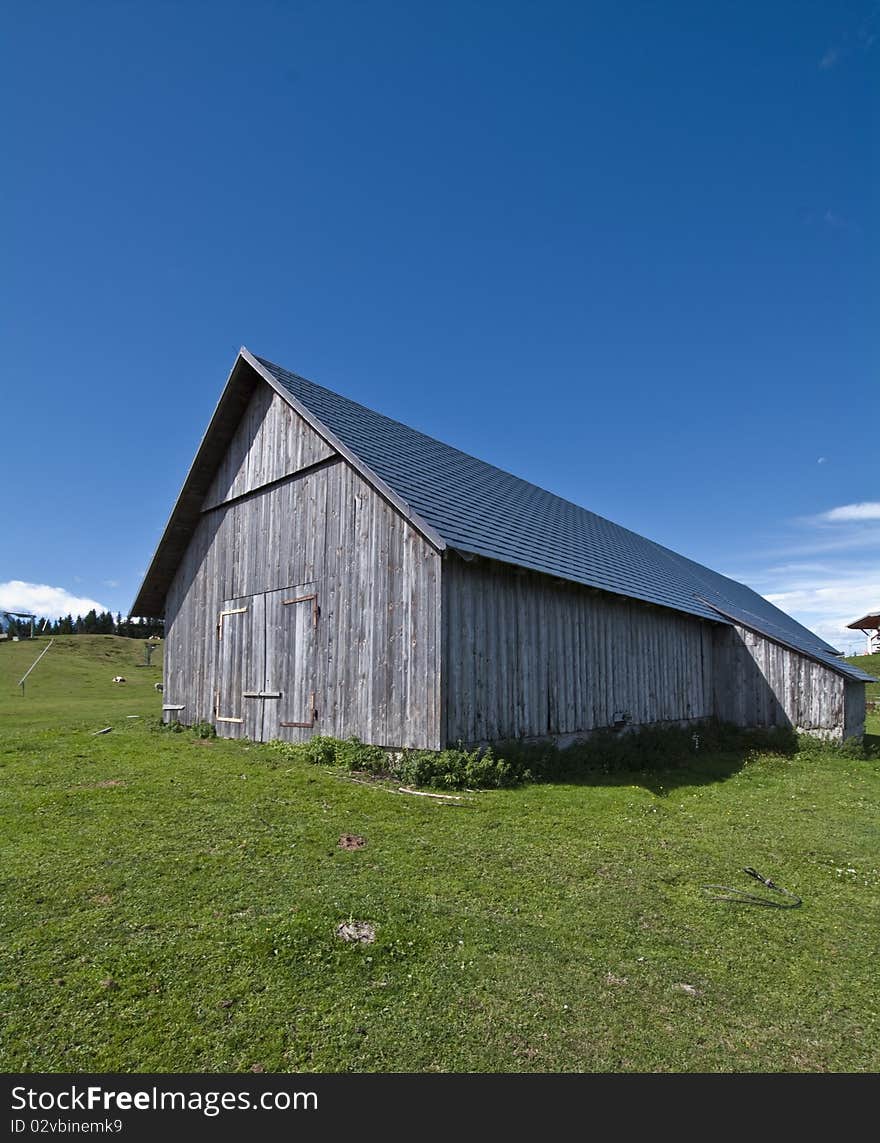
x=871, y=664
x=170, y=904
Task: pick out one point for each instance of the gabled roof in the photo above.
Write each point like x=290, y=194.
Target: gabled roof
x=471, y=506
x=869, y=622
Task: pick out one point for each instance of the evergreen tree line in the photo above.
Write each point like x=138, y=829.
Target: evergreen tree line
x=95, y=623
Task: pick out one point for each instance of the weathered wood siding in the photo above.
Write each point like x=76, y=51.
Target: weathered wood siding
x=529, y=656
x=370, y=656
x=761, y=683
x=854, y=696
x=270, y=442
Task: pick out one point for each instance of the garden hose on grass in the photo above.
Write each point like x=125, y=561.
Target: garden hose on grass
x=740, y=897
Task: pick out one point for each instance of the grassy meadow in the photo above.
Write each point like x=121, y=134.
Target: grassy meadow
x=170, y=903
x=871, y=664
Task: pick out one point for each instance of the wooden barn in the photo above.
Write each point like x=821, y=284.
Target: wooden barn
x=327, y=570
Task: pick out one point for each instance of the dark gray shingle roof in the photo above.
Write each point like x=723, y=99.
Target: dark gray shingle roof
x=478, y=508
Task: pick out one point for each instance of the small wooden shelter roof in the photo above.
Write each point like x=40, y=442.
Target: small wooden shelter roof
x=870, y=622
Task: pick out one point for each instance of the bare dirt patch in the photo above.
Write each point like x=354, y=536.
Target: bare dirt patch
x=352, y=841
x=361, y=931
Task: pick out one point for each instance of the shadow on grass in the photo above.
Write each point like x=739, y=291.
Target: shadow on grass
x=666, y=779
x=715, y=764
x=659, y=759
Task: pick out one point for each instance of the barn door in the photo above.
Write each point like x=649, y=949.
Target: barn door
x=292, y=617
x=266, y=667
x=240, y=640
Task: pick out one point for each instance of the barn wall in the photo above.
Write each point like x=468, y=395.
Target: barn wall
x=375, y=660
x=271, y=442
x=528, y=656
x=854, y=708
x=761, y=683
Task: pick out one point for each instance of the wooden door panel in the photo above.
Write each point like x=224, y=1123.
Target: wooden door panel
x=253, y=669
x=232, y=625
x=292, y=618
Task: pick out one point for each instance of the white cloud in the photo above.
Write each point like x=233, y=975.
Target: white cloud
x=844, y=528
x=802, y=569
x=825, y=573
x=868, y=510
x=842, y=541
x=43, y=600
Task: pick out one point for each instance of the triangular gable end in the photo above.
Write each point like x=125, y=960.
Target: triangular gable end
x=372, y=478
x=208, y=480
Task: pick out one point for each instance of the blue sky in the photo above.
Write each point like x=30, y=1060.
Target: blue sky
x=625, y=250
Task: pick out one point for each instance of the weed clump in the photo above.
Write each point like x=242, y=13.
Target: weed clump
x=861, y=747
x=516, y=762
x=175, y=726
x=444, y=769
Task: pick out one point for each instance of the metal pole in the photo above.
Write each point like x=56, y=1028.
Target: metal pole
x=33, y=664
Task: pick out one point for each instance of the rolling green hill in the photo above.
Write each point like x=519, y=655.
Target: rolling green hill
x=71, y=685
x=871, y=664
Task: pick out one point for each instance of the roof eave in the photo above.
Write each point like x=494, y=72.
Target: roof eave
x=150, y=599
x=869, y=622
x=844, y=669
